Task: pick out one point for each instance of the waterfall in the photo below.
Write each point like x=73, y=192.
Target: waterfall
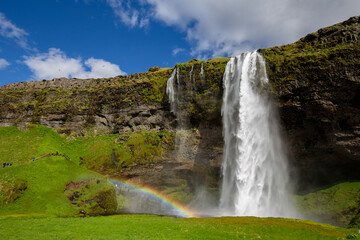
x=254, y=169
x=192, y=81
x=170, y=91
x=202, y=73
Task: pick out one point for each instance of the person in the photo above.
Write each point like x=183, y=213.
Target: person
x=83, y=213
x=33, y=158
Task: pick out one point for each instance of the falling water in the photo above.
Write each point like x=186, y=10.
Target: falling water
x=202, y=73
x=176, y=94
x=170, y=91
x=192, y=81
x=254, y=169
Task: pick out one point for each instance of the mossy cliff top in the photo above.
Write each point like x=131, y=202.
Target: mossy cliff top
x=103, y=103
x=316, y=84
x=337, y=46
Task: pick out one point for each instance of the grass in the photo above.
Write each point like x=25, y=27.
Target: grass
x=337, y=204
x=39, y=188
x=157, y=227
x=95, y=151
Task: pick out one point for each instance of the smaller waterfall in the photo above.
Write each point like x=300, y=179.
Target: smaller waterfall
x=202, y=73
x=178, y=76
x=170, y=91
x=192, y=81
x=191, y=73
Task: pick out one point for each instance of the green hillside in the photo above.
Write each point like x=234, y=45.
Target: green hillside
x=337, y=204
x=54, y=186
x=93, y=149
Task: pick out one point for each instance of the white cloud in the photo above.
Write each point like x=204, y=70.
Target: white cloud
x=101, y=68
x=55, y=64
x=128, y=14
x=3, y=63
x=228, y=27
x=232, y=26
x=176, y=51
x=11, y=31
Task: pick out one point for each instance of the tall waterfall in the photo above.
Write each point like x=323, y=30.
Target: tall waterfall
x=254, y=168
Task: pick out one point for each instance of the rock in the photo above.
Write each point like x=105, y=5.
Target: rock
x=154, y=69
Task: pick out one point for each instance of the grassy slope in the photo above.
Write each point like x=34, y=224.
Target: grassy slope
x=20, y=146
x=155, y=227
x=337, y=204
x=45, y=180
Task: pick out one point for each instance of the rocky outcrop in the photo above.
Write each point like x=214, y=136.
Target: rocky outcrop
x=100, y=202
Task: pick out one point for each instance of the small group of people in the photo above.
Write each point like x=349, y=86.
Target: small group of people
x=6, y=165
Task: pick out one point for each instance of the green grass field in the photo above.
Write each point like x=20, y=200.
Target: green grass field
x=157, y=227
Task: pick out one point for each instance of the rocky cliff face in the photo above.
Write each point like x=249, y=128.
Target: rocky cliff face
x=116, y=104
x=316, y=85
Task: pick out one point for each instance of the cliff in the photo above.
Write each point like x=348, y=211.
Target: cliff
x=316, y=86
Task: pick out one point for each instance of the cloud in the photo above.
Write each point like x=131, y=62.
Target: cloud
x=3, y=63
x=232, y=26
x=11, y=31
x=101, y=68
x=176, y=51
x=228, y=27
x=55, y=64
x=128, y=14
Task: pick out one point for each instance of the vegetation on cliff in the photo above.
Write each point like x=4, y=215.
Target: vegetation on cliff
x=111, y=152
x=337, y=46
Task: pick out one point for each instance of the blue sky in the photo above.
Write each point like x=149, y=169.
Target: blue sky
x=42, y=39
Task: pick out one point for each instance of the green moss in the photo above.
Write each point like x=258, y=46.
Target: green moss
x=181, y=193
x=319, y=51
x=93, y=196
x=337, y=204
x=355, y=222
x=95, y=148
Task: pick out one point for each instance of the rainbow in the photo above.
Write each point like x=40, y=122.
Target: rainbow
x=180, y=209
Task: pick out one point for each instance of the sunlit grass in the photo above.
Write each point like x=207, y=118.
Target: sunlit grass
x=157, y=227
